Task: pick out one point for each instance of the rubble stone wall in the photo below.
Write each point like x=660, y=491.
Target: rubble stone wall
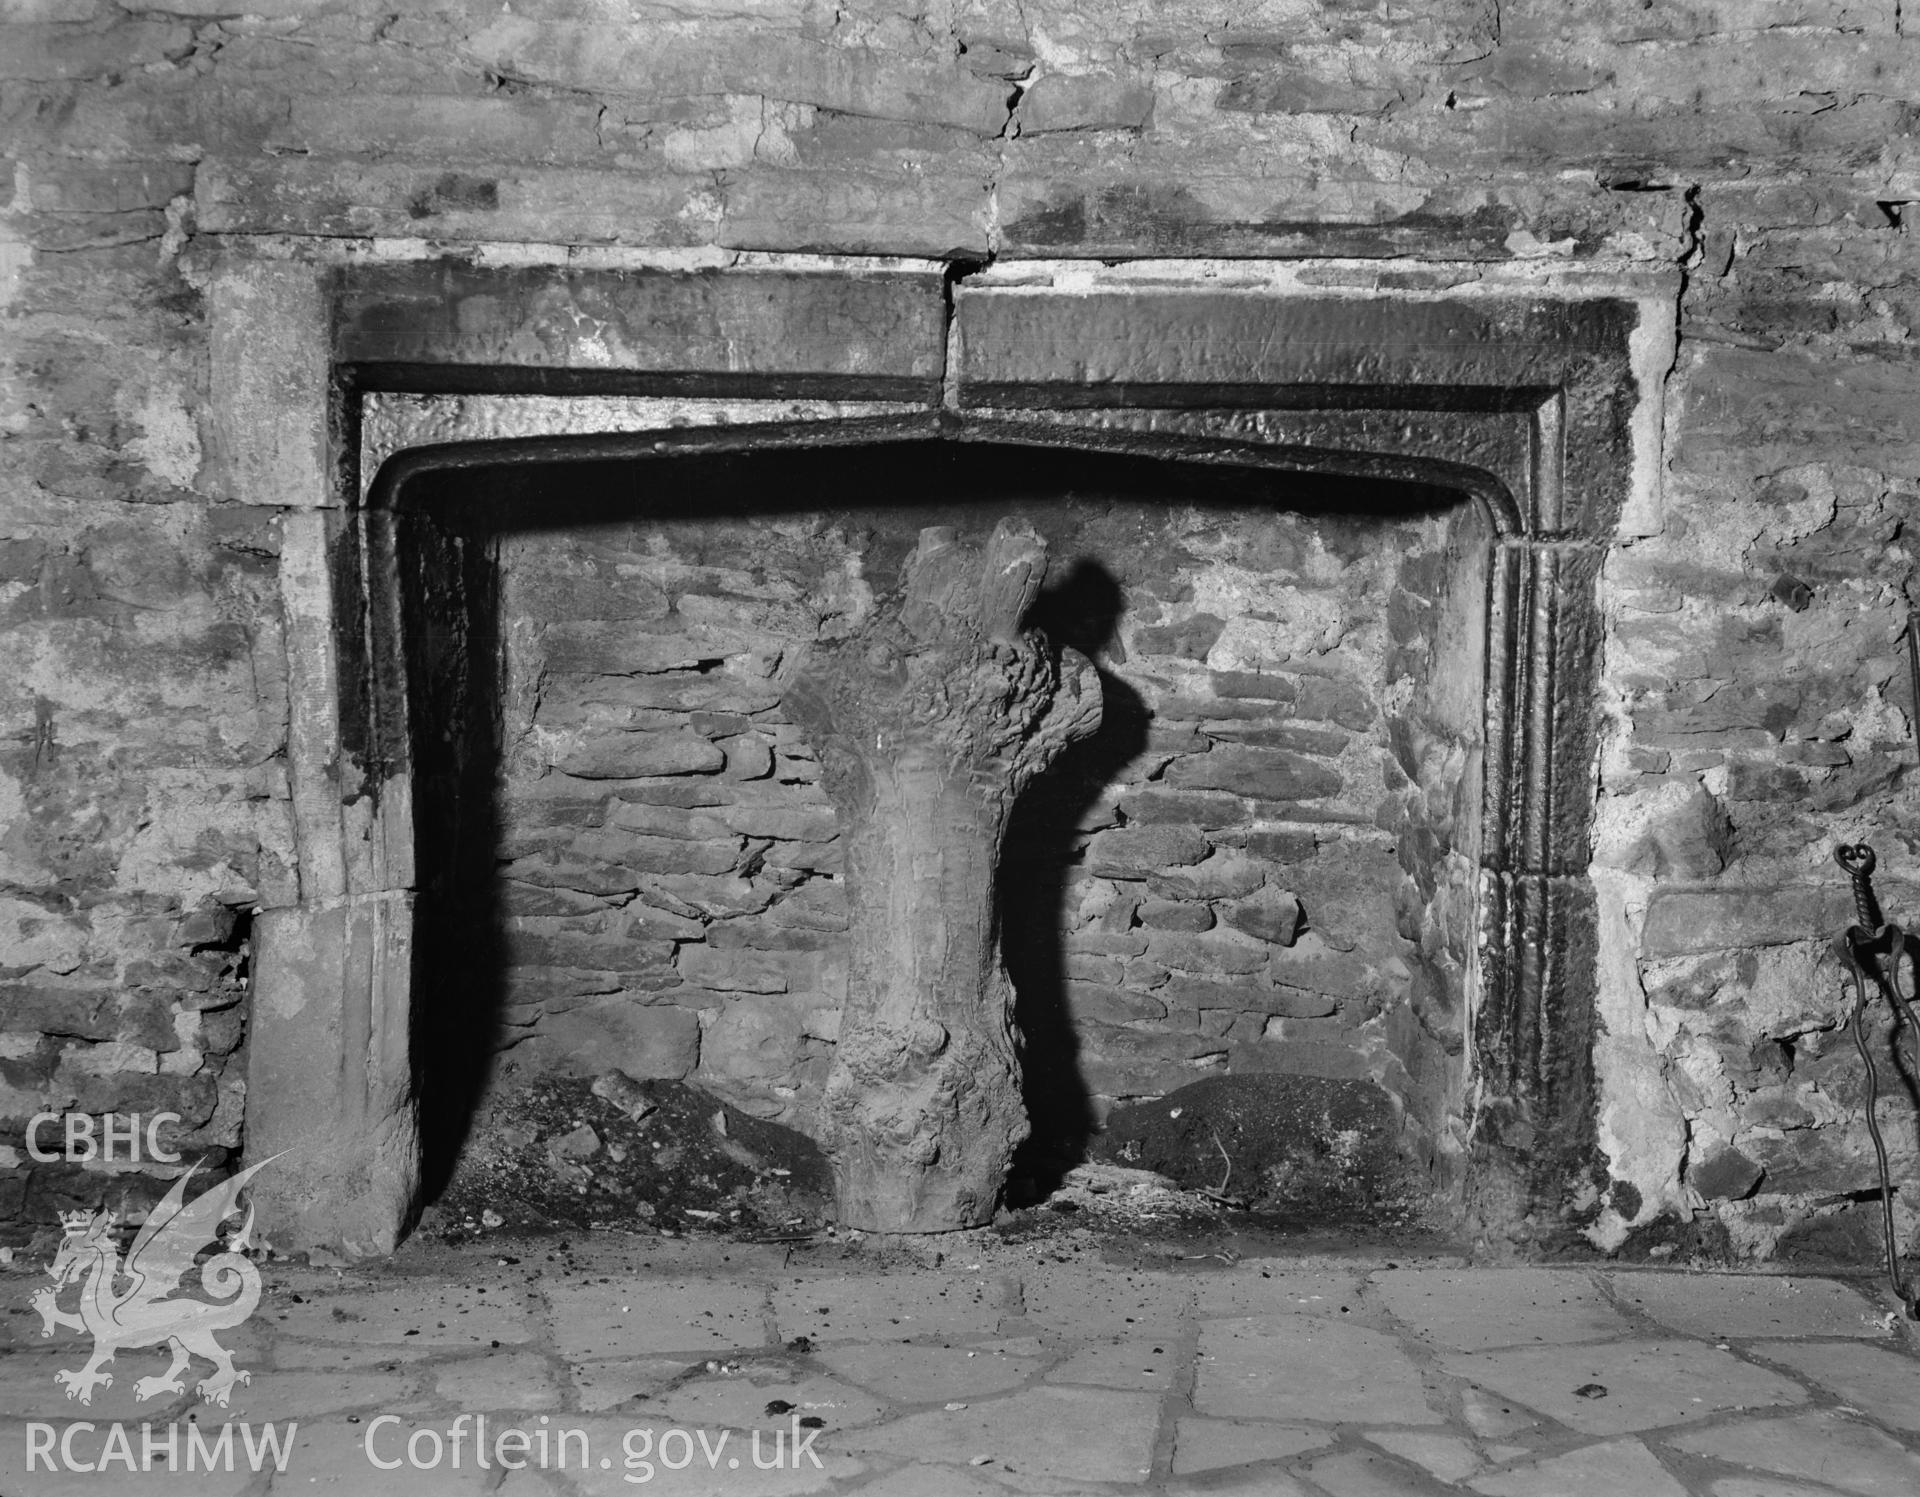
x=1211, y=884
x=1755, y=695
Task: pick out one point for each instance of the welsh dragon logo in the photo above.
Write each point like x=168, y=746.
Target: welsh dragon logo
x=146, y=1311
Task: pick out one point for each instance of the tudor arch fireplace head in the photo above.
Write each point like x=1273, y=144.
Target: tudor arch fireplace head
x=1331, y=825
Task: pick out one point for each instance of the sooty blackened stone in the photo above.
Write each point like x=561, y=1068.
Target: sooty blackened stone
x=1307, y=1149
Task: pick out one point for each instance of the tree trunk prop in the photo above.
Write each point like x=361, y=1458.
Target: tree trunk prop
x=929, y=721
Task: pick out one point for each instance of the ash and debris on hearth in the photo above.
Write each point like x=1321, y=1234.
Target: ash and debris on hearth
x=568, y=1153
x=1293, y=1151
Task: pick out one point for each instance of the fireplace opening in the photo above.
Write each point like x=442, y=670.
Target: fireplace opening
x=1260, y=872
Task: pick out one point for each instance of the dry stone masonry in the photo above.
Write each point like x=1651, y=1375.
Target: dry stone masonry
x=1279, y=871
x=674, y=880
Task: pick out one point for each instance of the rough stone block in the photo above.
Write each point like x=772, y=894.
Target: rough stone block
x=1206, y=810
x=582, y=875
x=442, y=128
x=1279, y=735
x=1240, y=995
x=846, y=79
x=1097, y=1003
x=627, y=756
x=735, y=970
x=1271, y=916
x=795, y=824
x=1188, y=639
x=1225, y=875
x=1206, y=954
x=944, y=215
x=749, y=757
x=1282, y=846
x=1756, y=413
x=1684, y=921
x=1262, y=773
x=1175, y=915
x=1085, y=967
x=1121, y=943
x=47, y=1008
x=1725, y=1175
x=756, y=1042
x=289, y=195
x=1086, y=101
x=1133, y=853
x=820, y=906
x=687, y=823
x=643, y=854
x=1139, y=1063
x=647, y=1041
x=1257, y=685
x=49, y=51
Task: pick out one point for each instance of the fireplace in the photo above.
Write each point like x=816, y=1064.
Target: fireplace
x=1333, y=552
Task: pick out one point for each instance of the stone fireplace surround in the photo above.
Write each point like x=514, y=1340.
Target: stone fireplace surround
x=1534, y=397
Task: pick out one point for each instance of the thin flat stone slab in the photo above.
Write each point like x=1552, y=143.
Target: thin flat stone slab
x=1448, y=1457
x=1235, y=1484
x=1366, y=1473
x=1116, y=1363
x=1748, y=1486
x=621, y=1382
x=1492, y=1417
x=1077, y=1300
x=1648, y=1384
x=740, y=1400
x=1823, y=1446
x=1477, y=1308
x=1252, y=1289
x=303, y=1395
x=1741, y=1307
x=921, y=1480
x=499, y=1380
x=1881, y=1383
x=696, y=1316
x=338, y=1356
x=1210, y=1444
x=1301, y=1367
x=1619, y=1468
x=898, y=1307
x=928, y=1374
x=1083, y=1435
x=28, y=1388
x=420, y=1313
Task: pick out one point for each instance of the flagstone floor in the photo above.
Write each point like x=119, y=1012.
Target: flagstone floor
x=984, y=1367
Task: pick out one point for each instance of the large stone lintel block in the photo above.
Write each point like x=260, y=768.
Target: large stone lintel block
x=884, y=330
x=1092, y=340
x=329, y=1081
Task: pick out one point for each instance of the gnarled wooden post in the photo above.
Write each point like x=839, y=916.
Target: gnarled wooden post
x=929, y=720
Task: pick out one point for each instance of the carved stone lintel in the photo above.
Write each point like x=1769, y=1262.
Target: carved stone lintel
x=929, y=721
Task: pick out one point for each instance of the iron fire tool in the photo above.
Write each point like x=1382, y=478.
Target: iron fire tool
x=1874, y=948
